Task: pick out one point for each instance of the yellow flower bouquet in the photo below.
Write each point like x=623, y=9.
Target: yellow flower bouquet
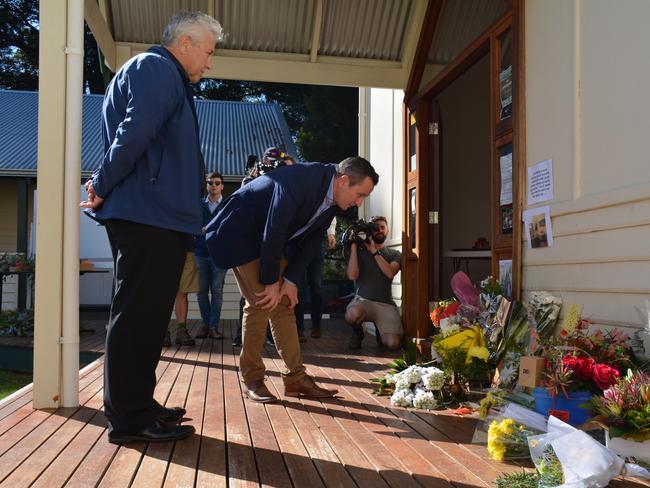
x=508, y=439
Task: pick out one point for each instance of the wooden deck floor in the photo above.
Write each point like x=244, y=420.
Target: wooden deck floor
x=355, y=439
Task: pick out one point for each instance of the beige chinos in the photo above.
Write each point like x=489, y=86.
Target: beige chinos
x=254, y=322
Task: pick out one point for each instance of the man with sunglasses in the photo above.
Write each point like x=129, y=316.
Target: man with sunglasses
x=211, y=278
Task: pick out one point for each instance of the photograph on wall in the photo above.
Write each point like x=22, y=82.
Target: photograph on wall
x=505, y=277
x=537, y=223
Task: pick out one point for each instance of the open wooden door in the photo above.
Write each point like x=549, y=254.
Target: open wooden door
x=435, y=199
x=423, y=167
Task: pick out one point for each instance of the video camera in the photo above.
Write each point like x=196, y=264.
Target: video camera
x=359, y=232
x=264, y=167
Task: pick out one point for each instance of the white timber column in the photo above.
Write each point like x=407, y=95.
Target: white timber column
x=56, y=334
x=364, y=136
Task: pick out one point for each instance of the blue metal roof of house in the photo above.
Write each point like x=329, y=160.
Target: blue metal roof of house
x=230, y=131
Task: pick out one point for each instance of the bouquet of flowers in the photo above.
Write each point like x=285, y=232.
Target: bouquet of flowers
x=572, y=371
x=624, y=408
x=508, y=439
x=544, y=309
x=612, y=347
x=417, y=386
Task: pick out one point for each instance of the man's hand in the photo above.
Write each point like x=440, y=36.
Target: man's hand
x=331, y=241
x=370, y=246
x=291, y=291
x=270, y=297
x=93, y=201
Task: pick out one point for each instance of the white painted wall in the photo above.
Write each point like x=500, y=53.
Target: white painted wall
x=385, y=152
x=586, y=108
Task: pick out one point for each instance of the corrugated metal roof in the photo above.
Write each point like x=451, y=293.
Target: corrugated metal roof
x=372, y=29
x=230, y=131
x=367, y=29
x=460, y=23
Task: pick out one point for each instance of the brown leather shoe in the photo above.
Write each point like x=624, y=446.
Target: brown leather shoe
x=257, y=391
x=203, y=332
x=307, y=387
x=215, y=334
x=301, y=337
x=315, y=331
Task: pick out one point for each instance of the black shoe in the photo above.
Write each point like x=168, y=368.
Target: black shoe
x=171, y=415
x=167, y=342
x=356, y=339
x=157, y=432
x=236, y=342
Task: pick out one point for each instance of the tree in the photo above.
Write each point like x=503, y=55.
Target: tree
x=19, y=49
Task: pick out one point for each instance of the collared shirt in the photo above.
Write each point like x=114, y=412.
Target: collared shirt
x=213, y=206
x=328, y=202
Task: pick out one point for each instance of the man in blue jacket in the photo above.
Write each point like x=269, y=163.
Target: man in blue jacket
x=147, y=192
x=268, y=231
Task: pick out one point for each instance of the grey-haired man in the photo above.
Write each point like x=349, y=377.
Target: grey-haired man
x=147, y=192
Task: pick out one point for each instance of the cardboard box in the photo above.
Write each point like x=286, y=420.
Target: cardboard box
x=531, y=371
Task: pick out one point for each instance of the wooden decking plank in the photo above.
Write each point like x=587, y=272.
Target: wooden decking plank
x=35, y=428
x=438, y=432
x=397, y=437
x=185, y=455
x=300, y=466
x=39, y=460
x=423, y=472
x=212, y=456
x=242, y=468
x=389, y=467
x=18, y=416
x=316, y=446
x=356, y=463
x=124, y=466
x=380, y=458
x=59, y=471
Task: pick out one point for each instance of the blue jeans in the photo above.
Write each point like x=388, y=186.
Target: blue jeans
x=313, y=278
x=210, y=296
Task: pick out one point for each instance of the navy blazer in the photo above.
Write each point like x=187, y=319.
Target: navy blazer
x=259, y=220
x=152, y=172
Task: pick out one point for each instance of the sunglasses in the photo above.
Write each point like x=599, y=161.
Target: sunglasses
x=217, y=183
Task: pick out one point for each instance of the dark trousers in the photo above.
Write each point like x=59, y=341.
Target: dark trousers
x=148, y=264
x=313, y=279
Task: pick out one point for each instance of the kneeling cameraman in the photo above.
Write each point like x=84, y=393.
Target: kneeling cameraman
x=372, y=267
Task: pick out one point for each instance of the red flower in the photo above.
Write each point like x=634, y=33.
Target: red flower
x=451, y=309
x=605, y=376
x=582, y=367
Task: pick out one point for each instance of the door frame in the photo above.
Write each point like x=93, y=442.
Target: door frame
x=416, y=264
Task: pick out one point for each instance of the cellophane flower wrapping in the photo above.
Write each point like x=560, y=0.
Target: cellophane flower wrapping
x=584, y=462
x=531, y=420
x=508, y=439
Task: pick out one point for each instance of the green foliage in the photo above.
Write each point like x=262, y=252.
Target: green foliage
x=322, y=119
x=11, y=381
x=17, y=323
x=19, y=38
x=516, y=480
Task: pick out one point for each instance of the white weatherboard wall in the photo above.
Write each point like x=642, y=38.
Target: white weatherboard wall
x=385, y=146
x=587, y=106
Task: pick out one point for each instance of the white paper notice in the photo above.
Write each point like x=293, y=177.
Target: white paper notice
x=537, y=226
x=505, y=162
x=540, y=182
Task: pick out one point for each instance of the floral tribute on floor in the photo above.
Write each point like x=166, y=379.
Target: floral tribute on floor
x=547, y=384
